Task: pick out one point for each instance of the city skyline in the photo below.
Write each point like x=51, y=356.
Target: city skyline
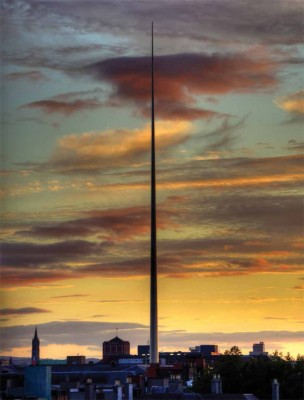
x=75, y=174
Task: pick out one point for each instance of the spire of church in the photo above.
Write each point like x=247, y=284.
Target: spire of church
x=35, y=348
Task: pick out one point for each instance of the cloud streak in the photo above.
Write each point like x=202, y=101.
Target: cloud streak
x=22, y=311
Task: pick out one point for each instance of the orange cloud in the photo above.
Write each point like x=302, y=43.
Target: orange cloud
x=293, y=103
x=102, y=150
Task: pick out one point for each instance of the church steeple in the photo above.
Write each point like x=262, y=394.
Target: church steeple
x=35, y=348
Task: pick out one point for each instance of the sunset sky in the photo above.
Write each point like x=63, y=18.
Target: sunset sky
x=75, y=201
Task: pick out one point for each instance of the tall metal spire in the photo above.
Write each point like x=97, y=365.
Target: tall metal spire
x=153, y=277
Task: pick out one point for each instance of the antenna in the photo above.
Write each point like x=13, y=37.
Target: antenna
x=153, y=276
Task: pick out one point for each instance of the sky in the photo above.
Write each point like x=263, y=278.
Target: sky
x=75, y=165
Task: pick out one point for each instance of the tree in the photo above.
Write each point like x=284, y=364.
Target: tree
x=234, y=351
x=255, y=375
x=229, y=367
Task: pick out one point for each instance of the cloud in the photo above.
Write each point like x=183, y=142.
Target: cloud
x=25, y=263
x=65, y=108
x=113, y=225
x=63, y=333
x=180, y=78
x=68, y=103
x=69, y=296
x=225, y=136
x=32, y=254
x=33, y=76
x=295, y=145
x=22, y=311
x=293, y=103
x=95, y=151
x=298, y=287
x=221, y=24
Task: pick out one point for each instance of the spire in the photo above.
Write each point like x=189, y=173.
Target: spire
x=35, y=348
x=153, y=277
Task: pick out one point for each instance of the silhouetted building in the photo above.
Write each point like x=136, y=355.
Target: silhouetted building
x=76, y=360
x=258, y=349
x=115, y=348
x=205, y=349
x=35, y=349
x=143, y=351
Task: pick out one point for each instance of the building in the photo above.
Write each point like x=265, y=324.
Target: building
x=258, y=349
x=72, y=360
x=205, y=349
x=35, y=349
x=143, y=351
x=115, y=348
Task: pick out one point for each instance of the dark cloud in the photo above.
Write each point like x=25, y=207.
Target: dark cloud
x=22, y=311
x=295, y=145
x=26, y=263
x=113, y=224
x=264, y=213
x=69, y=296
x=181, y=77
x=64, y=107
x=17, y=255
x=61, y=332
x=118, y=301
x=298, y=287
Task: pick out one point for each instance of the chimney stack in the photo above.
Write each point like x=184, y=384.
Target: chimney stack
x=216, y=384
x=275, y=390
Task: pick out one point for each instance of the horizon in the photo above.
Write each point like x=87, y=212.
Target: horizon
x=75, y=199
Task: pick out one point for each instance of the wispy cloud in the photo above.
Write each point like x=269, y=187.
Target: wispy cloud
x=32, y=76
x=295, y=145
x=22, y=311
x=68, y=103
x=69, y=296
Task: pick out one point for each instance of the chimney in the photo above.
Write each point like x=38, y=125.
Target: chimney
x=275, y=390
x=216, y=384
x=89, y=390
